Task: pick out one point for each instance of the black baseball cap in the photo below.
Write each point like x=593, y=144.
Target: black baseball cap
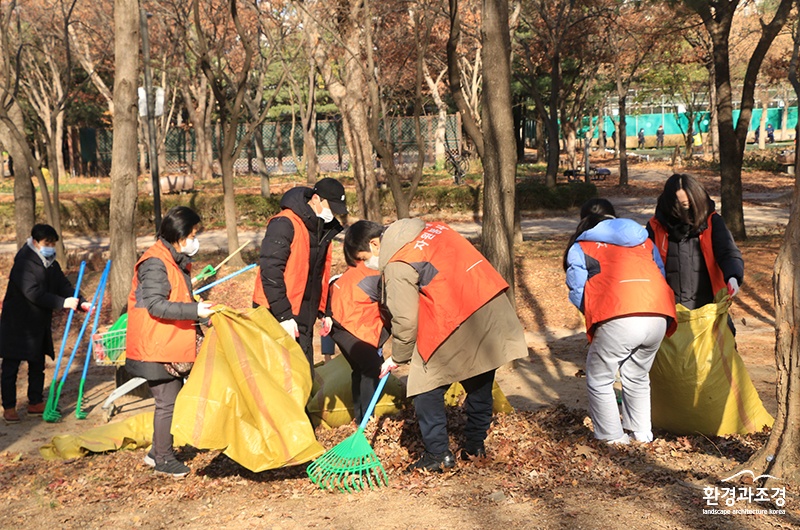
x=333, y=191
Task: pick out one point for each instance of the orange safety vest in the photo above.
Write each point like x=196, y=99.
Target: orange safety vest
x=629, y=283
x=295, y=275
x=455, y=280
x=661, y=238
x=354, y=304
x=154, y=339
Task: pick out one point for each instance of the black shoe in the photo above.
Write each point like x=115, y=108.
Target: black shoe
x=173, y=468
x=433, y=462
x=471, y=453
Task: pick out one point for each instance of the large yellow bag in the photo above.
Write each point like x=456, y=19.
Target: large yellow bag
x=699, y=383
x=247, y=393
x=499, y=401
x=135, y=432
x=332, y=402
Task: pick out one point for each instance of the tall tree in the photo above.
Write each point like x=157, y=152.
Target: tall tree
x=229, y=68
x=717, y=16
x=124, y=169
x=24, y=193
x=500, y=151
x=780, y=456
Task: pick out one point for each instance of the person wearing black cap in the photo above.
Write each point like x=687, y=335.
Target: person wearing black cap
x=295, y=261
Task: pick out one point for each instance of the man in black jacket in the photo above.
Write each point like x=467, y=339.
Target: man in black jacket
x=36, y=287
x=295, y=259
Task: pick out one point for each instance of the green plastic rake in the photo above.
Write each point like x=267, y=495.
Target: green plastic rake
x=351, y=465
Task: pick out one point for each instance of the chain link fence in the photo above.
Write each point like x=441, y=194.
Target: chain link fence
x=277, y=147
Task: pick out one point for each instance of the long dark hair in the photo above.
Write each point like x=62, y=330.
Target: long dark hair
x=593, y=212
x=700, y=204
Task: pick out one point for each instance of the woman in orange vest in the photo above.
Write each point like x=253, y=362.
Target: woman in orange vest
x=699, y=254
x=615, y=279
x=162, y=334
x=358, y=327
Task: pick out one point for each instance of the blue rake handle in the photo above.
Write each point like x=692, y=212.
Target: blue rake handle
x=226, y=278
x=81, y=333
x=101, y=288
x=375, y=397
x=66, y=328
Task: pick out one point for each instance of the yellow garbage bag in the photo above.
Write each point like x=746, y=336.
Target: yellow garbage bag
x=134, y=433
x=247, y=393
x=699, y=383
x=332, y=403
x=500, y=402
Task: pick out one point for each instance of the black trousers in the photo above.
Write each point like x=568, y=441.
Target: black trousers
x=8, y=381
x=165, y=392
x=365, y=361
x=432, y=418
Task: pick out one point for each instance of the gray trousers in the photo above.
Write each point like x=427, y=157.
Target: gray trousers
x=628, y=345
x=165, y=393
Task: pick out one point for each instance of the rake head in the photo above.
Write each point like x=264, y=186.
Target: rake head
x=79, y=412
x=51, y=413
x=350, y=466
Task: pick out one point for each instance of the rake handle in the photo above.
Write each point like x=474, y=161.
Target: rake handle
x=373, y=402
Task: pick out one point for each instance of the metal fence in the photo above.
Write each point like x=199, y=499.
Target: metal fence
x=277, y=140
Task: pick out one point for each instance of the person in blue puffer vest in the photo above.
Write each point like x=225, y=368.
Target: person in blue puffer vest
x=616, y=279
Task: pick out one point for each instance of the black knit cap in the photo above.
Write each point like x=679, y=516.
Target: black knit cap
x=333, y=191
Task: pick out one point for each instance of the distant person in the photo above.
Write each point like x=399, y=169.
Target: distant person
x=615, y=279
x=640, y=136
x=604, y=140
x=162, y=336
x=660, y=137
x=452, y=321
x=36, y=287
x=770, y=134
x=614, y=137
x=757, y=135
x=295, y=261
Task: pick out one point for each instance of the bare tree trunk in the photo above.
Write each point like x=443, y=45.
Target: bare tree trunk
x=500, y=156
x=762, y=122
x=24, y=192
x=713, y=128
x=780, y=456
x=622, y=142
x=454, y=79
x=124, y=192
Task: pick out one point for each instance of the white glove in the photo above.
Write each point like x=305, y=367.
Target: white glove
x=327, y=324
x=291, y=328
x=733, y=287
x=387, y=366
x=204, y=309
x=71, y=303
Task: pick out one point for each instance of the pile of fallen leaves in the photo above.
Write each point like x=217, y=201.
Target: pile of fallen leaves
x=531, y=455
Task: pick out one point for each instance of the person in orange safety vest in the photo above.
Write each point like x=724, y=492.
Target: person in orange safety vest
x=616, y=279
x=358, y=322
x=452, y=320
x=162, y=332
x=295, y=260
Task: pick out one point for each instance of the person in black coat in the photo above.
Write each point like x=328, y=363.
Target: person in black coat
x=685, y=211
x=315, y=208
x=36, y=287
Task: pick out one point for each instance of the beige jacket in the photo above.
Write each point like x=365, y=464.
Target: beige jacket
x=488, y=339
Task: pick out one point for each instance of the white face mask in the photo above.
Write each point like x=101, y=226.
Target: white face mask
x=326, y=215
x=192, y=246
x=372, y=263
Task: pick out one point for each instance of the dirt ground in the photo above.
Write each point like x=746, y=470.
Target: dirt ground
x=544, y=469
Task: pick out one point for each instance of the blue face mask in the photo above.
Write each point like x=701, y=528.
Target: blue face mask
x=48, y=252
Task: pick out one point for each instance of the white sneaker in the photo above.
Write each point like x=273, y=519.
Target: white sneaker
x=149, y=461
x=643, y=436
x=622, y=440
